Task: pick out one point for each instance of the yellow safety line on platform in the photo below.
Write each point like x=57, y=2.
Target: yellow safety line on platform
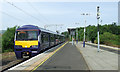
x=49, y=56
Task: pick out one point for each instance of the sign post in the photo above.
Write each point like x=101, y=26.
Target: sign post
x=98, y=17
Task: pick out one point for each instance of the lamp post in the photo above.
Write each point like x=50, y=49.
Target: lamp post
x=84, y=28
x=84, y=35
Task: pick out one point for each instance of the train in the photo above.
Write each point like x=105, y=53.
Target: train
x=30, y=40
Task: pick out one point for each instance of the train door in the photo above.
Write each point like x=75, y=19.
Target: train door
x=44, y=40
x=52, y=39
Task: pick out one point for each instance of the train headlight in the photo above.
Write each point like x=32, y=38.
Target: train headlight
x=18, y=46
x=34, y=46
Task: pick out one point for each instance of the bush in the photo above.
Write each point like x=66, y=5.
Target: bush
x=8, y=40
x=109, y=39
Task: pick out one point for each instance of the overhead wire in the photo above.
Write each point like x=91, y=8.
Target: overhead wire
x=13, y=17
x=24, y=11
x=36, y=10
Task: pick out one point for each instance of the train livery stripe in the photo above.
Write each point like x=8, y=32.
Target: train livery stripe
x=26, y=44
x=50, y=56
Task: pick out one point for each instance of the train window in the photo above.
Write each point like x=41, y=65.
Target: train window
x=52, y=37
x=27, y=35
x=44, y=37
x=32, y=35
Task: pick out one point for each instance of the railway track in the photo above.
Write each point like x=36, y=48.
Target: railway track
x=13, y=63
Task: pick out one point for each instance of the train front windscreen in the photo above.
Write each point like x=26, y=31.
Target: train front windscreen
x=27, y=35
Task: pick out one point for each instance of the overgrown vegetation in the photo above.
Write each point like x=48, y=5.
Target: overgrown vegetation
x=109, y=34
x=8, y=40
x=109, y=39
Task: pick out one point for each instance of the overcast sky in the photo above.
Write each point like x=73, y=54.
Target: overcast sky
x=66, y=13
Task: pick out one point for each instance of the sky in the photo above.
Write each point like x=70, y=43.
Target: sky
x=64, y=14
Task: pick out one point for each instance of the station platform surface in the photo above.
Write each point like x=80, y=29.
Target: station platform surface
x=67, y=58
x=72, y=57
x=102, y=60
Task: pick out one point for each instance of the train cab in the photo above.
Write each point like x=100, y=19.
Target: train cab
x=31, y=40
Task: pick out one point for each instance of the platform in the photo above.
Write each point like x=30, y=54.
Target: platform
x=72, y=57
x=103, y=60
x=67, y=58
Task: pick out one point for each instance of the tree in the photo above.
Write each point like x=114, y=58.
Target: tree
x=65, y=34
x=8, y=39
x=81, y=33
x=92, y=33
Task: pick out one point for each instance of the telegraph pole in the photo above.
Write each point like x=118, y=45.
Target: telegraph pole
x=98, y=17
